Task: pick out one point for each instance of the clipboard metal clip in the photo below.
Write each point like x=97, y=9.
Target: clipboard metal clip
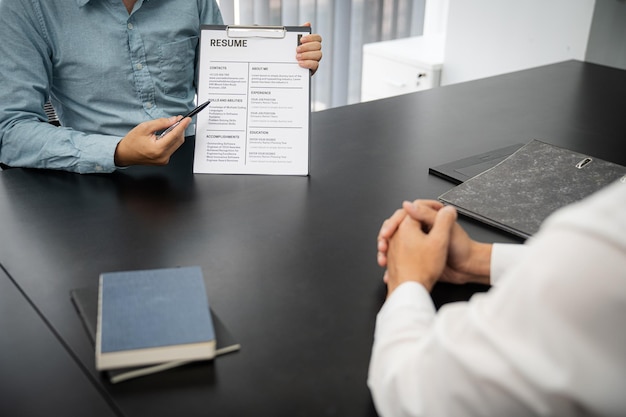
x=240, y=31
x=584, y=163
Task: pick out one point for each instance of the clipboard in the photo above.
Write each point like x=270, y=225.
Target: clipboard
x=259, y=118
x=251, y=31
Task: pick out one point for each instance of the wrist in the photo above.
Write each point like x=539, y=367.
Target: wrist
x=118, y=156
x=479, y=265
x=394, y=279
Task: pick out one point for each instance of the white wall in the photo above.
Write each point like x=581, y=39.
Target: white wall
x=491, y=37
x=607, y=38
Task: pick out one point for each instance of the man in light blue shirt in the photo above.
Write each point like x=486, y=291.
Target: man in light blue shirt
x=115, y=72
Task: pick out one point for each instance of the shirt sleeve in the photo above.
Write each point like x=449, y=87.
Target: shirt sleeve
x=544, y=341
x=503, y=257
x=402, y=325
x=26, y=139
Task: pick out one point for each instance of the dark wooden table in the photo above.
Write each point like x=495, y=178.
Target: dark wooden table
x=289, y=262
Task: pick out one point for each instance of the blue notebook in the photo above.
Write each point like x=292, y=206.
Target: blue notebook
x=153, y=316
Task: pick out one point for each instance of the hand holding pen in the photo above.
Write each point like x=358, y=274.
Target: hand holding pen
x=141, y=147
x=190, y=114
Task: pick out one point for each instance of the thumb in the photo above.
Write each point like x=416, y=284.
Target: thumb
x=444, y=221
x=161, y=123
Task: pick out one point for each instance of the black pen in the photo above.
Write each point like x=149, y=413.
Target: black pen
x=190, y=114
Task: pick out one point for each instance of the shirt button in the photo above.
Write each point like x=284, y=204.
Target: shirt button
x=149, y=105
x=130, y=26
x=139, y=66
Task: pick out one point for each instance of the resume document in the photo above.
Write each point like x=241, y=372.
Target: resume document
x=258, y=120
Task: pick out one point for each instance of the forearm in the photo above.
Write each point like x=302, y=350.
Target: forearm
x=36, y=144
x=459, y=362
x=401, y=325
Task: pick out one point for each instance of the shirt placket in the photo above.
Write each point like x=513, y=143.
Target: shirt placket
x=143, y=81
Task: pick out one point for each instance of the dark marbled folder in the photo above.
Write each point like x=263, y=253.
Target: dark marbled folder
x=517, y=194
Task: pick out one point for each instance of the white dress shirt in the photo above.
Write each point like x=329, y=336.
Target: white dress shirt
x=547, y=339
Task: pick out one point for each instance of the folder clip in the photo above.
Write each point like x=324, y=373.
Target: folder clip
x=583, y=163
x=240, y=31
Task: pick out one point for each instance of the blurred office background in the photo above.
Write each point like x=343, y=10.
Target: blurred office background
x=345, y=26
x=416, y=44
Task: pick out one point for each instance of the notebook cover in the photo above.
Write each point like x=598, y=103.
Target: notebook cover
x=153, y=316
x=85, y=301
x=520, y=192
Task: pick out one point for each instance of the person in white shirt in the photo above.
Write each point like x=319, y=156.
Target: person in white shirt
x=546, y=339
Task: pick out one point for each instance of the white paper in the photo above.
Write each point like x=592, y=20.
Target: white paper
x=258, y=119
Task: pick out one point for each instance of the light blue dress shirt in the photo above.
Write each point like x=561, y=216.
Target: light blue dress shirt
x=105, y=71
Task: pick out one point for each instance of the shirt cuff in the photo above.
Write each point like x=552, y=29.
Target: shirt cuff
x=98, y=154
x=411, y=302
x=503, y=257
x=409, y=293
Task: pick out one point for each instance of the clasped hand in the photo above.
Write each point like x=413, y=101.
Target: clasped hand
x=422, y=242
